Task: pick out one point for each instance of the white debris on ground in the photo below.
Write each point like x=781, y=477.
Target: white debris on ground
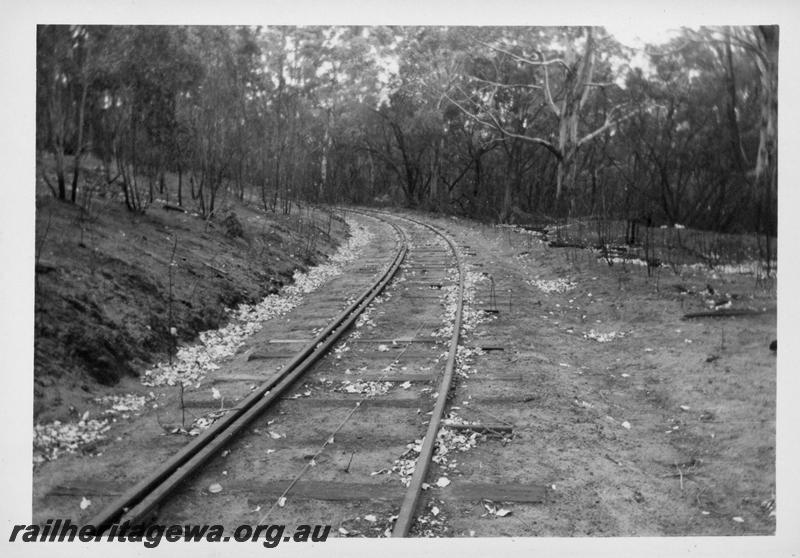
x=553, y=286
x=51, y=441
x=406, y=464
x=367, y=388
x=54, y=439
x=367, y=318
x=192, y=362
x=604, y=337
x=122, y=404
x=536, y=235
x=465, y=358
x=471, y=317
x=431, y=522
x=749, y=267
x=449, y=440
x=627, y=260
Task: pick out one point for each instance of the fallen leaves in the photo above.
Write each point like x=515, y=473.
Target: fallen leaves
x=193, y=362
x=51, y=441
x=493, y=510
x=406, y=464
x=553, y=286
x=128, y=403
x=604, y=337
x=368, y=388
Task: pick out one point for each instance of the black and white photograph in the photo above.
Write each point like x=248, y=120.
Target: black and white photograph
x=306, y=278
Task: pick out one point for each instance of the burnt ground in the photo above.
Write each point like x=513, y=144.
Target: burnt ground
x=104, y=307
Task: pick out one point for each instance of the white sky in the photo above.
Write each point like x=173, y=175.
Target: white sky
x=636, y=36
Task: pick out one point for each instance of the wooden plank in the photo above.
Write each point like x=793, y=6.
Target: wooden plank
x=317, y=490
x=433, y=340
x=387, y=377
x=407, y=403
x=534, y=355
x=266, y=356
x=481, y=378
x=85, y=487
x=213, y=404
x=349, y=399
x=520, y=493
x=258, y=491
x=483, y=428
x=330, y=491
x=724, y=313
x=239, y=378
x=394, y=353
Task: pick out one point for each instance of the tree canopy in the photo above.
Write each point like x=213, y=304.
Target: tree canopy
x=500, y=123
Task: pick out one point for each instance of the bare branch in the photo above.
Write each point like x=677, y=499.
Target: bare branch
x=500, y=128
x=526, y=60
x=549, y=95
x=505, y=85
x=609, y=123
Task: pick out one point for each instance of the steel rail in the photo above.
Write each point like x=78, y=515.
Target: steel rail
x=136, y=503
x=405, y=516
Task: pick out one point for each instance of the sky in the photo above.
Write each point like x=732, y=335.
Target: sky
x=640, y=34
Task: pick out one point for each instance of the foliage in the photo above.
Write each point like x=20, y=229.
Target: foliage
x=511, y=124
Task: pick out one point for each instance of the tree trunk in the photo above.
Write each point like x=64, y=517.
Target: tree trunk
x=79, y=144
x=576, y=92
x=180, y=185
x=505, y=212
x=766, y=172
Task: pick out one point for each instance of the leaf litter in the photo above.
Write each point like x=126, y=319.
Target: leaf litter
x=192, y=362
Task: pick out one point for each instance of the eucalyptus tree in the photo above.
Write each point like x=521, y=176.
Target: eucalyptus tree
x=63, y=74
x=688, y=155
x=546, y=86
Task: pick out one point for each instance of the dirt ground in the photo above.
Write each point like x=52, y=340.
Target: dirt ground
x=139, y=438
x=640, y=422
x=633, y=420
x=107, y=297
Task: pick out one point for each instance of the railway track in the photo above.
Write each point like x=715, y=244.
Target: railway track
x=358, y=406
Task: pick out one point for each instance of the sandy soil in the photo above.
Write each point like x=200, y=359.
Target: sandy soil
x=632, y=420
x=640, y=422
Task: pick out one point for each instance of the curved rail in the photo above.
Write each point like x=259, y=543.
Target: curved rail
x=137, y=502
x=405, y=516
